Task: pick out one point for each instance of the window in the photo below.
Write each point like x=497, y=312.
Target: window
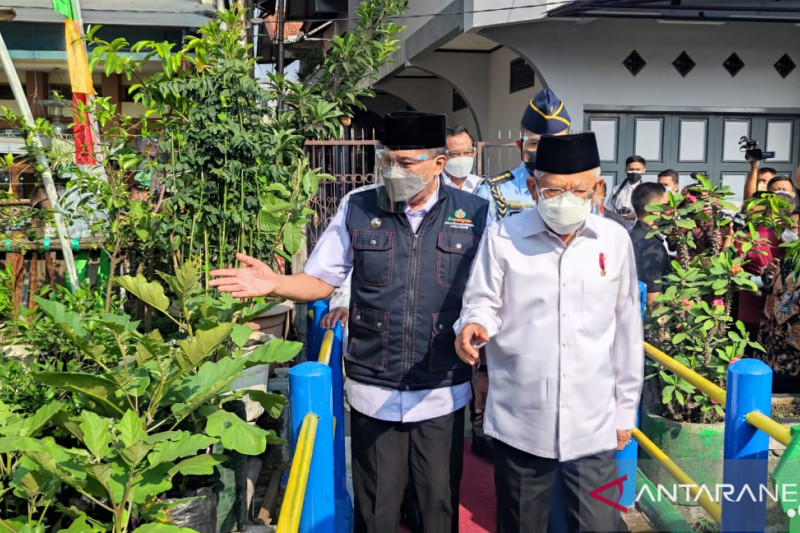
x=458, y=101
x=522, y=76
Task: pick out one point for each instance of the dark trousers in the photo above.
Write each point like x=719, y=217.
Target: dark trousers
x=386, y=454
x=524, y=485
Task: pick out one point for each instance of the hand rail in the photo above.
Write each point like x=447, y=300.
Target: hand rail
x=713, y=391
x=713, y=509
x=292, y=507
x=770, y=427
x=326, y=348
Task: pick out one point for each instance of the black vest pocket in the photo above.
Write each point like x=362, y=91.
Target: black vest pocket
x=372, y=257
x=368, y=342
x=453, y=258
x=442, y=354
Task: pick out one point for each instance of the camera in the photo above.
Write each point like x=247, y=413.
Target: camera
x=751, y=150
x=737, y=219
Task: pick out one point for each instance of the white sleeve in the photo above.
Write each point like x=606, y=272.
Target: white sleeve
x=483, y=296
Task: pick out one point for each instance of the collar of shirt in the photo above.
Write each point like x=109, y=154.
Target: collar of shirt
x=471, y=181
x=536, y=224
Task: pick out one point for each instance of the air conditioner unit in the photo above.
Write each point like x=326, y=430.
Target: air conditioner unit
x=309, y=9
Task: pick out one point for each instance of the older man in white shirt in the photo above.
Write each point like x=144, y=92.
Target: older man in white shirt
x=554, y=296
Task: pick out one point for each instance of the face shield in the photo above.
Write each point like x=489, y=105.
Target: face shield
x=403, y=174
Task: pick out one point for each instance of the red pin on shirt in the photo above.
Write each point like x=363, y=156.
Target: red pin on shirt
x=602, y=264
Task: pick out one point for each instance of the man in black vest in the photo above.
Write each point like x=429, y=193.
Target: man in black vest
x=410, y=242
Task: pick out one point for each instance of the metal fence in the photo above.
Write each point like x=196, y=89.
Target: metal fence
x=351, y=163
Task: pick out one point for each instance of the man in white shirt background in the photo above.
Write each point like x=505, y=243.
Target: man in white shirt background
x=554, y=297
x=461, y=153
x=620, y=200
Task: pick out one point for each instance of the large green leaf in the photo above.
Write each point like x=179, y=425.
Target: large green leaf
x=153, y=482
x=152, y=293
x=41, y=417
x=272, y=403
x=240, y=334
x=210, y=380
x=151, y=346
x=292, y=238
x=119, y=324
x=31, y=480
x=133, y=455
x=131, y=428
x=100, y=389
x=182, y=445
x=236, y=434
x=186, y=278
x=96, y=433
x=58, y=312
x=195, y=350
x=199, y=465
x=275, y=351
x=80, y=525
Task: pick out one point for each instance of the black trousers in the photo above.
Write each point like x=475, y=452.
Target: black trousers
x=386, y=454
x=524, y=484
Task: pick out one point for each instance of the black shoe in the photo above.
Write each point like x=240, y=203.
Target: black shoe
x=482, y=447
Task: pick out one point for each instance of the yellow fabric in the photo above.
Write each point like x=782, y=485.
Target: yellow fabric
x=79, y=75
x=554, y=116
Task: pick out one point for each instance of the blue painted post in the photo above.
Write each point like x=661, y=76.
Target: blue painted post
x=746, y=448
x=344, y=506
x=310, y=392
x=320, y=309
x=627, y=457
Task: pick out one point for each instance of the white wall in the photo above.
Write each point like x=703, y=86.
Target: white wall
x=430, y=95
x=582, y=63
x=506, y=109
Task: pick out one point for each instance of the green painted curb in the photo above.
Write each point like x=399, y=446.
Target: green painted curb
x=661, y=513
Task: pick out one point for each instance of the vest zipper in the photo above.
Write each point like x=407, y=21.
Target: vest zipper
x=410, y=350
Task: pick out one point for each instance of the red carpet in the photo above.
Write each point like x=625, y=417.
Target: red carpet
x=478, y=512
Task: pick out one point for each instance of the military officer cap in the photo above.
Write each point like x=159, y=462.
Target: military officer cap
x=545, y=114
x=567, y=154
x=411, y=130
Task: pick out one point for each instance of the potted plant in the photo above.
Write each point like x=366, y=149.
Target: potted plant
x=142, y=422
x=692, y=323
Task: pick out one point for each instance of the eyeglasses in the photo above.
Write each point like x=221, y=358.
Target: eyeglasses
x=461, y=153
x=407, y=162
x=529, y=144
x=552, y=192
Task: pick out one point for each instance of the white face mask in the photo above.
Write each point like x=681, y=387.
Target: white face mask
x=565, y=213
x=460, y=166
x=788, y=235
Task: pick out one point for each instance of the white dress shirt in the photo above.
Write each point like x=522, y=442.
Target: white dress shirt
x=471, y=182
x=331, y=261
x=565, y=357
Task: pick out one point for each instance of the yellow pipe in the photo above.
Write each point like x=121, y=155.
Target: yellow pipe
x=770, y=427
x=326, y=347
x=311, y=314
x=712, y=508
x=292, y=507
x=713, y=391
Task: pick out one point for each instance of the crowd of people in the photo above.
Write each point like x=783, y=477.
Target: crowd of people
x=517, y=295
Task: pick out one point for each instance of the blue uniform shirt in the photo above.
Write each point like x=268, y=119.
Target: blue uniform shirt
x=514, y=191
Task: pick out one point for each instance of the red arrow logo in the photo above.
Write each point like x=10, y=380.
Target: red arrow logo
x=596, y=493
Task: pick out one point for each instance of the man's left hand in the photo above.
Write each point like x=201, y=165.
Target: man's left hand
x=623, y=438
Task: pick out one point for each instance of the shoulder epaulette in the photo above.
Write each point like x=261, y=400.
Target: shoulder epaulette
x=501, y=178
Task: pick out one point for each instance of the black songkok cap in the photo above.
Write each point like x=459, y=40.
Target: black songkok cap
x=411, y=130
x=567, y=154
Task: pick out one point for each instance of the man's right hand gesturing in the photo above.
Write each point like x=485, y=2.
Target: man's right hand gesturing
x=253, y=279
x=469, y=340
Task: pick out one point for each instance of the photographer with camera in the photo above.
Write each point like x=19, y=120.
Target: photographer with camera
x=620, y=201
x=758, y=177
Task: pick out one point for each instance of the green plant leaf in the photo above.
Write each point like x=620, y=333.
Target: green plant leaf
x=275, y=351
x=59, y=313
x=153, y=482
x=185, y=280
x=96, y=433
x=131, y=428
x=42, y=415
x=292, y=239
x=80, y=525
x=211, y=379
x=202, y=345
x=240, y=334
x=272, y=403
x=133, y=455
x=150, y=346
x=100, y=389
x=236, y=434
x=182, y=444
x=199, y=465
x=152, y=293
